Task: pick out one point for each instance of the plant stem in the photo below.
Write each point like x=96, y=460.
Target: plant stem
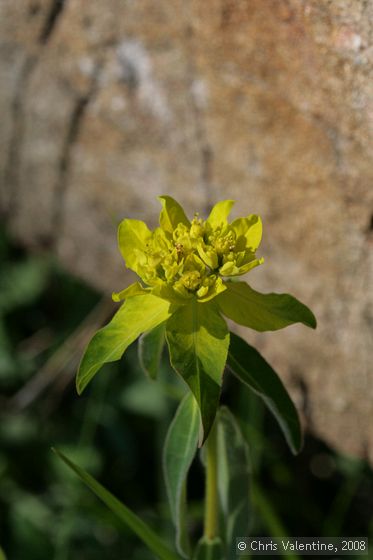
x=211, y=498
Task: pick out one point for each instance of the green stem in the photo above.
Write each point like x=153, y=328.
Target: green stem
x=211, y=498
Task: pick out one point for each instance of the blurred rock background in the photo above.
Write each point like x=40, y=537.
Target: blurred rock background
x=270, y=102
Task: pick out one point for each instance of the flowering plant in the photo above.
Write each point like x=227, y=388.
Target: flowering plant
x=188, y=284
x=187, y=270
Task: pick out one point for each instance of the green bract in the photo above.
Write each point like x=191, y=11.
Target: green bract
x=186, y=269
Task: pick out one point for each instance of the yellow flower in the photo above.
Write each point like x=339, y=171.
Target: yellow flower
x=183, y=259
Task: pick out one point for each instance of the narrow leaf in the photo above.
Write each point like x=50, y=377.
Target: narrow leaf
x=209, y=549
x=262, y=312
x=233, y=479
x=180, y=448
x=137, y=525
x=271, y=520
x=2, y=554
x=198, y=340
x=137, y=314
x=253, y=370
x=150, y=350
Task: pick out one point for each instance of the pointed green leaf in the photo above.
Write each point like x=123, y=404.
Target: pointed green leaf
x=132, y=238
x=209, y=549
x=252, y=369
x=171, y=214
x=150, y=350
x=2, y=555
x=180, y=448
x=262, y=312
x=198, y=340
x=220, y=212
x=137, y=314
x=137, y=525
x=233, y=479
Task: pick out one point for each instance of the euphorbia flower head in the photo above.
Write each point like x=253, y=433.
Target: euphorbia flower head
x=184, y=259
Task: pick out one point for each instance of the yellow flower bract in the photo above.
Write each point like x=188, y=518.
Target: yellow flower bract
x=184, y=259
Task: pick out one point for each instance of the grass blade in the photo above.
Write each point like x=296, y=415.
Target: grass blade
x=139, y=527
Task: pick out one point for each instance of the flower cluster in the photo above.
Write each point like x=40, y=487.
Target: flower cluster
x=184, y=259
x=184, y=265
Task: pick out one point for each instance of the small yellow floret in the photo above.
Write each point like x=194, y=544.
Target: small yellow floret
x=191, y=280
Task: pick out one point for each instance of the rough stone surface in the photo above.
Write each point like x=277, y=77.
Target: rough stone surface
x=106, y=104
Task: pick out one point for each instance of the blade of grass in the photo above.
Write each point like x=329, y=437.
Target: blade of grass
x=141, y=529
x=270, y=517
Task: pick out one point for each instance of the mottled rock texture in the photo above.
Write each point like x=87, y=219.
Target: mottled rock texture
x=107, y=103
